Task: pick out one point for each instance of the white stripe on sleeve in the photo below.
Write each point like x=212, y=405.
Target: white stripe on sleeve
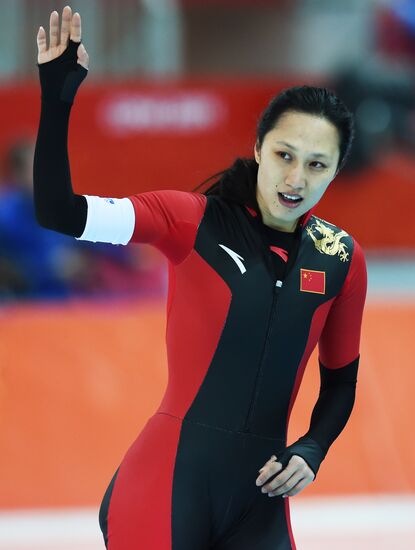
x=108, y=220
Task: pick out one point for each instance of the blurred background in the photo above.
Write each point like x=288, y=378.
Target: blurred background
x=173, y=94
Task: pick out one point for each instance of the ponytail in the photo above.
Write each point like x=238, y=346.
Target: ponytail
x=238, y=182
x=235, y=184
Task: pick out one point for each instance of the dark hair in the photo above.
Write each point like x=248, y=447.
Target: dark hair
x=238, y=182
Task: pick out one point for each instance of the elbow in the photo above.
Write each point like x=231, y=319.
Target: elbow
x=46, y=213
x=42, y=220
x=54, y=221
x=67, y=219
x=47, y=219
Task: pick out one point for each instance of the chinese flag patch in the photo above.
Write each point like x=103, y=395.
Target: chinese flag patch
x=313, y=281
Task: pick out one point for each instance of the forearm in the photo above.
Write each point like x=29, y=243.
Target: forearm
x=56, y=206
x=330, y=414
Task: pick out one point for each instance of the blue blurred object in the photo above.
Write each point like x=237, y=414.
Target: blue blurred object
x=35, y=253
x=404, y=10
x=39, y=263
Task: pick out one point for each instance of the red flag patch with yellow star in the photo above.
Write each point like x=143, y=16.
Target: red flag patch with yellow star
x=313, y=281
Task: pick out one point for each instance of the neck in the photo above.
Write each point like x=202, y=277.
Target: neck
x=273, y=223
x=270, y=221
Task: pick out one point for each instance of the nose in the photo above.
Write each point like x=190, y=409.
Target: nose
x=296, y=177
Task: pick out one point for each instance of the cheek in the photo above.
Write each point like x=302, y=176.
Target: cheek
x=266, y=179
x=319, y=191
x=261, y=181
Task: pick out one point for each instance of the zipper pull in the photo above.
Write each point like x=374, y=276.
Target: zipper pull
x=278, y=285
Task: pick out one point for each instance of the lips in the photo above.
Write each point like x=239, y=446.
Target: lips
x=288, y=203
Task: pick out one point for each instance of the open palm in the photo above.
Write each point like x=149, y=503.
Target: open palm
x=59, y=37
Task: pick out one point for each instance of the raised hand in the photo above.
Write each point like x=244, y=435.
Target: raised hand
x=59, y=37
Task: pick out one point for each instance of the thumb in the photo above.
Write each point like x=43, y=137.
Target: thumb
x=83, y=57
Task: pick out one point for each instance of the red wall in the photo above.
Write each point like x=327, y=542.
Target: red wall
x=134, y=136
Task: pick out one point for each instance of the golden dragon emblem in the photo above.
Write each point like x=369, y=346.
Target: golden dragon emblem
x=330, y=242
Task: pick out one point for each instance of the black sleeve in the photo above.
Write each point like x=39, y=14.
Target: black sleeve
x=330, y=415
x=56, y=206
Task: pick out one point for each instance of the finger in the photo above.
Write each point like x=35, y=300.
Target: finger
x=270, y=469
x=304, y=466
x=287, y=486
x=282, y=477
x=76, y=27
x=83, y=57
x=41, y=40
x=297, y=488
x=66, y=24
x=54, y=29
x=276, y=482
x=272, y=459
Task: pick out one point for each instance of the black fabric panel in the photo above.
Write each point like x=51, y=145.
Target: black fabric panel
x=249, y=383
x=61, y=77
x=103, y=511
x=330, y=415
x=226, y=392
x=217, y=469
x=289, y=336
x=335, y=403
x=56, y=206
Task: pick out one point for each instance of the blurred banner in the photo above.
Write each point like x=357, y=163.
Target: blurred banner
x=132, y=137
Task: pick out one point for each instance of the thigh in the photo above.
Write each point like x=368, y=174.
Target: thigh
x=139, y=508
x=147, y=506
x=254, y=520
x=264, y=526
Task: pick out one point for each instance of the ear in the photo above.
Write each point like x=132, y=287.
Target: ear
x=257, y=153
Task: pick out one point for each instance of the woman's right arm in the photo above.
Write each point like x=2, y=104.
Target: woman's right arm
x=62, y=67
x=167, y=219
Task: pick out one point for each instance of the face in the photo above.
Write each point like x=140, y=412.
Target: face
x=299, y=157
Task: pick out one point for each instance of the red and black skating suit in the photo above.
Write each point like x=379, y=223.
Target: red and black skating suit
x=246, y=307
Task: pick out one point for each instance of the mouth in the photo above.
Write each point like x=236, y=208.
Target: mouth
x=290, y=201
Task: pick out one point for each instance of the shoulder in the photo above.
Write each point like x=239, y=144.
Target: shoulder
x=326, y=227
x=171, y=198
x=333, y=237
x=223, y=206
x=169, y=206
x=347, y=247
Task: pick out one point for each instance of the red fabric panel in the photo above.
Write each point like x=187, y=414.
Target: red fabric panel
x=140, y=508
x=288, y=518
x=168, y=220
x=281, y=252
x=340, y=339
x=198, y=305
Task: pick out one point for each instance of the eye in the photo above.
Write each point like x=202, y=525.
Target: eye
x=320, y=165
x=282, y=153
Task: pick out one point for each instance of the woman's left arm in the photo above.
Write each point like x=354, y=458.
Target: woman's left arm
x=338, y=360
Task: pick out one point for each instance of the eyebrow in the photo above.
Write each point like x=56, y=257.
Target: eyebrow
x=320, y=155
